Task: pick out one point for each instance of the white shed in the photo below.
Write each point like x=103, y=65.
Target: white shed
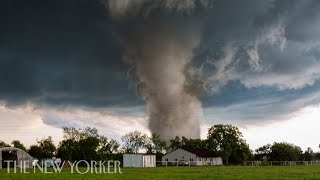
x=139, y=160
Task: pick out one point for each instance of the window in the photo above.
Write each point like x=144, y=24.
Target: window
x=191, y=159
x=175, y=159
x=166, y=159
x=199, y=159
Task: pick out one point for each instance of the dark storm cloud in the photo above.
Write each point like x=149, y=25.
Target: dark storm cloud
x=70, y=52
x=60, y=53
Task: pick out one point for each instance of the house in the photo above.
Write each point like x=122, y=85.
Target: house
x=139, y=160
x=191, y=156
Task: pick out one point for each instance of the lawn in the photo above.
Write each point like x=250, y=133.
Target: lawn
x=223, y=172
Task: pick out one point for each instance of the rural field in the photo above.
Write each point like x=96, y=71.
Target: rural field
x=223, y=172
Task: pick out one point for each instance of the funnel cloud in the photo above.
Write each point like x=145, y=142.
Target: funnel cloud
x=159, y=51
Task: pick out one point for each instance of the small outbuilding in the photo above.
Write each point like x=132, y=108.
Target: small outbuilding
x=18, y=157
x=191, y=156
x=139, y=160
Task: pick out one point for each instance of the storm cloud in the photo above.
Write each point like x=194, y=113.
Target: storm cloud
x=56, y=54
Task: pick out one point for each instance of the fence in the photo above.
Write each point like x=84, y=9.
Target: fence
x=282, y=163
x=186, y=163
x=247, y=163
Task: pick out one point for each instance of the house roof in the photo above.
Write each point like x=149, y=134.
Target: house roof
x=199, y=152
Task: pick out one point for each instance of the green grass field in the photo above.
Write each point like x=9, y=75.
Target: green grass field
x=223, y=172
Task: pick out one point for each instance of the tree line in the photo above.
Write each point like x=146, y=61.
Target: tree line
x=225, y=141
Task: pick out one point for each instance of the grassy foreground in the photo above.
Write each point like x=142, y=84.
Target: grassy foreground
x=223, y=172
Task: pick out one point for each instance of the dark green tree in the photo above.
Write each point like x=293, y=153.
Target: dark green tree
x=18, y=144
x=44, y=149
x=263, y=152
x=35, y=151
x=79, y=144
x=108, y=147
x=89, y=143
x=194, y=143
x=228, y=141
x=308, y=155
x=187, y=143
x=48, y=149
x=175, y=143
x=85, y=144
x=284, y=151
x=69, y=149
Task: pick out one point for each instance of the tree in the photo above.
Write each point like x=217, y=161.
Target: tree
x=85, y=144
x=89, y=143
x=35, y=151
x=285, y=152
x=194, y=143
x=47, y=147
x=71, y=133
x=160, y=146
x=155, y=144
x=263, y=152
x=317, y=155
x=308, y=155
x=107, y=147
x=175, y=143
x=79, y=144
x=69, y=149
x=228, y=141
x=44, y=149
x=18, y=144
x=3, y=144
x=134, y=141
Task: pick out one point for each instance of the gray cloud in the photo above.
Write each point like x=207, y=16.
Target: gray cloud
x=70, y=53
x=260, y=110
x=256, y=45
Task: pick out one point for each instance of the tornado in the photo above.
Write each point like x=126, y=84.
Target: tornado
x=159, y=38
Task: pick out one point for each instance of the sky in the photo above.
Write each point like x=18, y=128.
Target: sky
x=254, y=64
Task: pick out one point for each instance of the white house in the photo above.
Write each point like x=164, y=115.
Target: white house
x=139, y=160
x=194, y=157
